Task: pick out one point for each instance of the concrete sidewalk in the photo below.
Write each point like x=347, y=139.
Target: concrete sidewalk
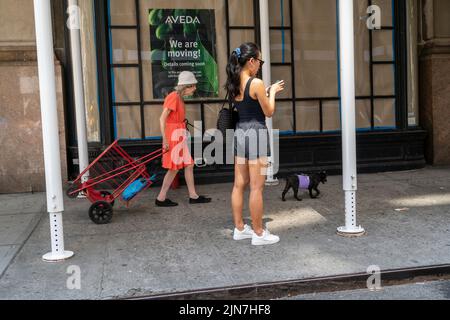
x=19, y=216
x=148, y=250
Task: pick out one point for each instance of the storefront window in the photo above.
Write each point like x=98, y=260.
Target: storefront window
x=304, y=53
x=317, y=66
x=382, y=66
x=315, y=45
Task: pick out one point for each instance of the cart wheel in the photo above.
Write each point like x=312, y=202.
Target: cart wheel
x=101, y=212
x=70, y=193
x=106, y=194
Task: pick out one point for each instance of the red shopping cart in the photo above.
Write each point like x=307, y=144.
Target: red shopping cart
x=113, y=175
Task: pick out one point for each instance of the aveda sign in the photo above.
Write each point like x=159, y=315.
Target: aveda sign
x=182, y=20
x=183, y=40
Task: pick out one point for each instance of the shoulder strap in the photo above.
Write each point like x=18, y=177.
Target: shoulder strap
x=228, y=100
x=247, y=88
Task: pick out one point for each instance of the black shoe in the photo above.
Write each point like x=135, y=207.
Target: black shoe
x=200, y=199
x=166, y=203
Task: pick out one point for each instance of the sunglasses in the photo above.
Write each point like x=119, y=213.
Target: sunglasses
x=261, y=62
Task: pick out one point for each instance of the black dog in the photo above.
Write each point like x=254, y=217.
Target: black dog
x=306, y=182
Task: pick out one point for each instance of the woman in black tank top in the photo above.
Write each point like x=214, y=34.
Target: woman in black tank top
x=251, y=138
x=251, y=142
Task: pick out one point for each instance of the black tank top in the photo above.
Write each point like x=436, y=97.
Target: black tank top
x=249, y=109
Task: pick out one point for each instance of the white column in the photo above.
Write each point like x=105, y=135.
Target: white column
x=49, y=115
x=347, y=72
x=267, y=78
x=74, y=25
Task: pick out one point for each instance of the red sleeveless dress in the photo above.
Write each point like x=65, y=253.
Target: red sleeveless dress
x=178, y=157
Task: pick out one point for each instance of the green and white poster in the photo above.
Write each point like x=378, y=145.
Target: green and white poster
x=183, y=40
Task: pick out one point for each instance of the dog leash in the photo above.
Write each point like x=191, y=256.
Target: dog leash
x=186, y=121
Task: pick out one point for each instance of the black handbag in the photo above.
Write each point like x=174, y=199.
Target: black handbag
x=228, y=118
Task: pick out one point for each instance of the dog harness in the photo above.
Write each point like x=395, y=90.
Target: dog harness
x=303, y=182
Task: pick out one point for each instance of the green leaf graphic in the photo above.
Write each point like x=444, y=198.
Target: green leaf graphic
x=179, y=12
x=158, y=55
x=209, y=71
x=155, y=17
x=163, y=31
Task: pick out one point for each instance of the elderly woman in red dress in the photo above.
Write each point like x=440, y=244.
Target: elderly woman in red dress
x=173, y=129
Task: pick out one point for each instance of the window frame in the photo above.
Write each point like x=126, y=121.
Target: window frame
x=105, y=67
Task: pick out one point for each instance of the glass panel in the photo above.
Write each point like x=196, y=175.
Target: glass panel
x=441, y=18
x=315, y=41
x=238, y=37
x=363, y=114
x=211, y=115
x=128, y=122
x=126, y=85
x=193, y=113
x=384, y=113
x=386, y=11
x=384, y=80
x=152, y=114
x=383, y=46
x=241, y=13
x=283, y=118
x=280, y=73
x=124, y=46
x=276, y=19
x=362, y=51
x=280, y=51
x=331, y=116
x=147, y=78
x=122, y=12
x=308, y=116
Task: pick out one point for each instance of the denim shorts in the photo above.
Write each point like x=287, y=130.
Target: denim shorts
x=251, y=140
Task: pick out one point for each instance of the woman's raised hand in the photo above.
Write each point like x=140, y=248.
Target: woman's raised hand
x=277, y=87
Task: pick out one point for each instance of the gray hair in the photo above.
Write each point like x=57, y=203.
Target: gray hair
x=180, y=89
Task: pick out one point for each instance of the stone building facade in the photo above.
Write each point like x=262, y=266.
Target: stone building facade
x=434, y=55
x=21, y=158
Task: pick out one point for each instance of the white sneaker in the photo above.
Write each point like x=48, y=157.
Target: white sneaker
x=265, y=239
x=247, y=233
